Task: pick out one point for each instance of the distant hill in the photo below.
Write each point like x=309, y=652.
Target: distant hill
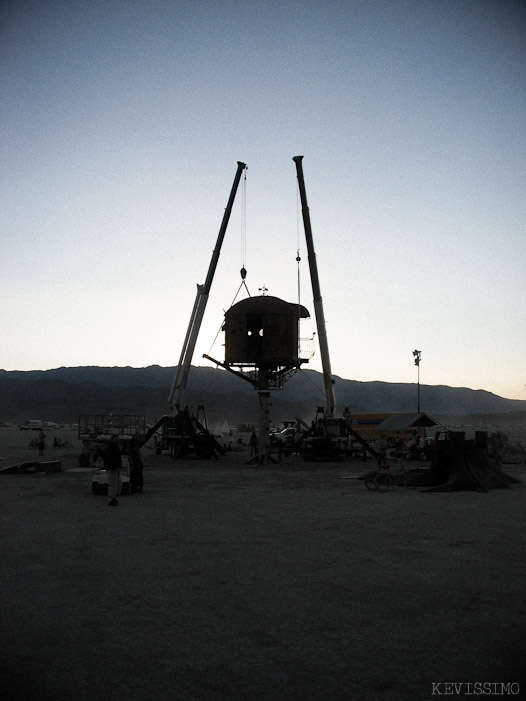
x=64, y=393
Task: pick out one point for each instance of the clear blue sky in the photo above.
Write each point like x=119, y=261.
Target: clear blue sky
x=121, y=124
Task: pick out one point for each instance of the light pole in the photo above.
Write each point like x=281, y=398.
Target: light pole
x=417, y=356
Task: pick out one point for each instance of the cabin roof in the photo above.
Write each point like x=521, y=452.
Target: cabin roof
x=265, y=304
x=402, y=422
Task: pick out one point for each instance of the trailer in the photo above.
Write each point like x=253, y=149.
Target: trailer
x=184, y=434
x=327, y=439
x=96, y=430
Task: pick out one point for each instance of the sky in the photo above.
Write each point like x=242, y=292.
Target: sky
x=121, y=125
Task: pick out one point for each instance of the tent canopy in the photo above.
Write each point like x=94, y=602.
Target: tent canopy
x=403, y=422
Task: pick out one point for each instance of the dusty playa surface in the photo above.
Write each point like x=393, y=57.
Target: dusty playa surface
x=227, y=581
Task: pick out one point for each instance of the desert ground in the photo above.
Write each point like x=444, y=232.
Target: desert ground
x=281, y=582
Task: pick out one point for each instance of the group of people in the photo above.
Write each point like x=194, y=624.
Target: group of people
x=410, y=447
x=41, y=442
x=112, y=458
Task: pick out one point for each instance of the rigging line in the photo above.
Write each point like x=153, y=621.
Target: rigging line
x=298, y=260
x=243, y=283
x=244, y=219
x=215, y=339
x=317, y=387
x=246, y=288
x=297, y=216
x=320, y=389
x=298, y=257
x=243, y=228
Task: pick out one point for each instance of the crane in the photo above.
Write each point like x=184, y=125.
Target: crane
x=180, y=432
x=178, y=390
x=316, y=293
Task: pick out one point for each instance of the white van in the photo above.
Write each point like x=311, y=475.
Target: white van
x=34, y=425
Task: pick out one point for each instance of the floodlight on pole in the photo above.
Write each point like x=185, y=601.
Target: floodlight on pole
x=417, y=355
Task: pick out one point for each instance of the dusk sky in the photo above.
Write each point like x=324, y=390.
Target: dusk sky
x=121, y=127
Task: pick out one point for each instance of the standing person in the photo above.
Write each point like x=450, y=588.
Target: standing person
x=381, y=449
x=253, y=444
x=113, y=464
x=41, y=442
x=414, y=446
x=136, y=467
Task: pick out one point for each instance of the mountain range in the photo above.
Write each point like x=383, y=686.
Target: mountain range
x=63, y=394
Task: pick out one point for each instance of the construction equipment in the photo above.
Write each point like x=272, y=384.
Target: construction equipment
x=328, y=436
x=203, y=291
x=327, y=439
x=252, y=323
x=183, y=434
x=316, y=293
x=95, y=430
x=180, y=432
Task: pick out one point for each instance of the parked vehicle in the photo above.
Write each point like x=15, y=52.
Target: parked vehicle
x=32, y=425
x=328, y=439
x=94, y=430
x=99, y=481
x=285, y=436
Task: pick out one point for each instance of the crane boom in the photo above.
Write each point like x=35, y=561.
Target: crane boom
x=178, y=389
x=316, y=291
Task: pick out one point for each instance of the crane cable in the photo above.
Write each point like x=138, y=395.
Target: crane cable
x=243, y=248
x=298, y=261
x=243, y=226
x=243, y=271
x=298, y=257
x=299, y=215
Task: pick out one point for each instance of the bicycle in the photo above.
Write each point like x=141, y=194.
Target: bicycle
x=383, y=479
x=58, y=443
